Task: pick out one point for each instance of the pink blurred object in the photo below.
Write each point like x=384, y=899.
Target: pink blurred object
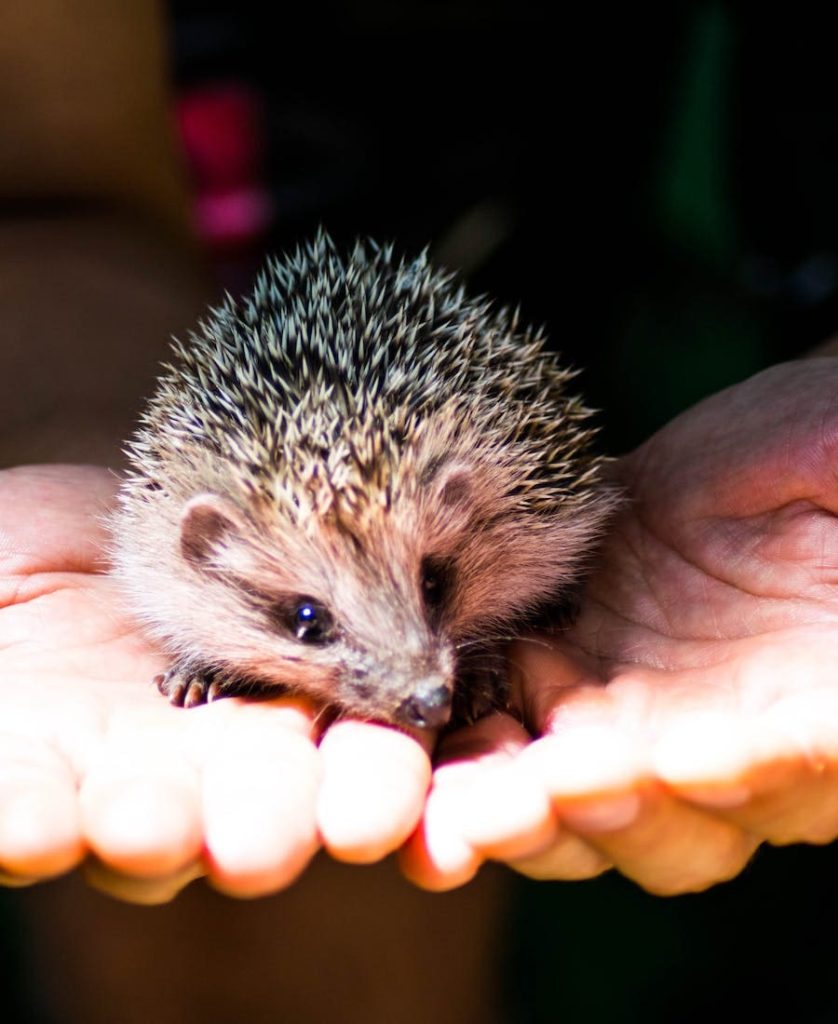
x=222, y=128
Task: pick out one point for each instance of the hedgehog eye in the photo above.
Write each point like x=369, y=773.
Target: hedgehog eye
x=435, y=579
x=310, y=622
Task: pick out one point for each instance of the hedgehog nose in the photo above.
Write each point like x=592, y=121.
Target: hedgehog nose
x=429, y=706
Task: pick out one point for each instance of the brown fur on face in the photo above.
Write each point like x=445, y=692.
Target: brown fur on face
x=214, y=574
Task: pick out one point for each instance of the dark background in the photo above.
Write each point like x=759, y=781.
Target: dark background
x=657, y=187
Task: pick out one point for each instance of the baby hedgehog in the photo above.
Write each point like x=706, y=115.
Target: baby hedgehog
x=349, y=485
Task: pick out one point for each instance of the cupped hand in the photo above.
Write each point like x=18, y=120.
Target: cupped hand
x=691, y=713
x=95, y=764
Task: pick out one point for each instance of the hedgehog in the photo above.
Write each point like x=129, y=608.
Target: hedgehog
x=356, y=484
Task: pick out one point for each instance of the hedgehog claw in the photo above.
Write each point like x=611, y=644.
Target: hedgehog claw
x=187, y=688
x=172, y=685
x=196, y=693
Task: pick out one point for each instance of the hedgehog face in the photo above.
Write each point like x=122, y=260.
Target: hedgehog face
x=326, y=613
x=366, y=613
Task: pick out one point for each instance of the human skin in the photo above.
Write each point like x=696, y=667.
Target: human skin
x=96, y=272
x=97, y=768
x=711, y=617
x=92, y=760
x=673, y=773
x=691, y=713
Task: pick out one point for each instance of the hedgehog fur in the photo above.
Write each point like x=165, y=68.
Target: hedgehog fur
x=349, y=479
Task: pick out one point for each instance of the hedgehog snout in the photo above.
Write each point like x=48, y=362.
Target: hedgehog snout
x=411, y=684
x=429, y=706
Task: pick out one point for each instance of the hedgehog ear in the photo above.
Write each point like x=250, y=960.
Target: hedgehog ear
x=206, y=523
x=455, y=486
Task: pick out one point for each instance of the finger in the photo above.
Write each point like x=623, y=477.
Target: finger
x=497, y=803
x=506, y=812
x=142, y=891
x=260, y=784
x=542, y=672
x=437, y=857
x=141, y=810
x=568, y=858
x=775, y=774
x=140, y=797
x=487, y=801
x=443, y=851
x=40, y=830
x=794, y=781
x=374, y=784
x=668, y=847
x=603, y=792
x=599, y=773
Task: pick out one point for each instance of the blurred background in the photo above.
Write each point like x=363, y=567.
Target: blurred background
x=658, y=190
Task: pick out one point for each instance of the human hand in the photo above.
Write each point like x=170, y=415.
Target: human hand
x=712, y=615
x=92, y=759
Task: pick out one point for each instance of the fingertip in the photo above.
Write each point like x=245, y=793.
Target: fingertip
x=438, y=856
x=142, y=825
x=375, y=780
x=40, y=833
x=259, y=813
x=505, y=812
x=587, y=762
x=436, y=863
x=40, y=827
x=230, y=871
x=705, y=758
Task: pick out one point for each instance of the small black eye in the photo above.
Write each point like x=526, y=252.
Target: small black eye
x=435, y=580
x=310, y=622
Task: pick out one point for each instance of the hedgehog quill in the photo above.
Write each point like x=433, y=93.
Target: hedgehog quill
x=354, y=484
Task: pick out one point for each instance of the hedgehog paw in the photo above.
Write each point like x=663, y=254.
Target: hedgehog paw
x=188, y=687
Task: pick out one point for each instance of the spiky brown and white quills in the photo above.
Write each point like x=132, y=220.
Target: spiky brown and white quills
x=349, y=477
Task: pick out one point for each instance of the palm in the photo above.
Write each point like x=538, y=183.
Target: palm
x=731, y=541
x=713, y=617
x=92, y=758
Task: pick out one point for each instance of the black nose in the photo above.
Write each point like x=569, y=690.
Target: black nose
x=429, y=706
